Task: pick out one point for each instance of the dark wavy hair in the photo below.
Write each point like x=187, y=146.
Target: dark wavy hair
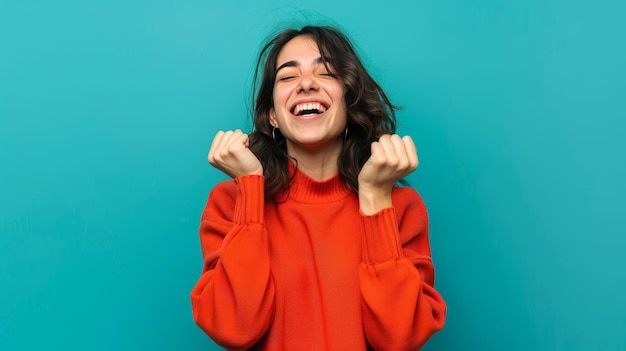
x=370, y=114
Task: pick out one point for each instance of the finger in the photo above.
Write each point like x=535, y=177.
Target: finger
x=219, y=148
x=237, y=142
x=223, y=139
x=246, y=142
x=400, y=150
x=378, y=153
x=215, y=145
x=411, y=151
x=390, y=154
x=227, y=139
x=226, y=145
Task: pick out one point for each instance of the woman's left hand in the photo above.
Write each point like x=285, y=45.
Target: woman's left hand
x=392, y=159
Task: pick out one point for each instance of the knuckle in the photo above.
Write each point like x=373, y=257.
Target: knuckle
x=232, y=148
x=393, y=162
x=223, y=153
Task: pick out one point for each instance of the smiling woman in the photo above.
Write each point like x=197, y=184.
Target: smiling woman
x=312, y=245
x=309, y=108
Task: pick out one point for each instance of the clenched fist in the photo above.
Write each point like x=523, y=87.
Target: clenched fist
x=392, y=159
x=230, y=153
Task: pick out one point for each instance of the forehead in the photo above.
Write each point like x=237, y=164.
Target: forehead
x=301, y=49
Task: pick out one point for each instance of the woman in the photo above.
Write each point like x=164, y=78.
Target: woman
x=312, y=246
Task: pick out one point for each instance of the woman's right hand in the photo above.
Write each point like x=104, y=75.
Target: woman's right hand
x=230, y=154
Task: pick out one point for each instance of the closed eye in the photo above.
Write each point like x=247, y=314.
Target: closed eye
x=286, y=78
x=328, y=75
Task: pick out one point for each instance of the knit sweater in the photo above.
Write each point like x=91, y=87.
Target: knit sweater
x=314, y=272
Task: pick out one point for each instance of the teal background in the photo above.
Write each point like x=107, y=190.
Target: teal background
x=107, y=110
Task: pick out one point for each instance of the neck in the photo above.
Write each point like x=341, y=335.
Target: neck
x=317, y=164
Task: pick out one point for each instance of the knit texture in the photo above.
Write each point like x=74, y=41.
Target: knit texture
x=313, y=272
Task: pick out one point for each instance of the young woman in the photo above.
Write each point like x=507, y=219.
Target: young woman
x=312, y=245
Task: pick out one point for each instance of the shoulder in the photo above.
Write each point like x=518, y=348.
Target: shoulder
x=225, y=188
x=222, y=200
x=410, y=208
x=405, y=198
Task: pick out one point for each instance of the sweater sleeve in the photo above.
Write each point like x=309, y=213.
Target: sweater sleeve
x=401, y=308
x=233, y=300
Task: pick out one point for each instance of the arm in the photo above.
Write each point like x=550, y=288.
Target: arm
x=233, y=301
x=401, y=309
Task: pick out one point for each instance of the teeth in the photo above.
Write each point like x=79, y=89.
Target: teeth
x=309, y=106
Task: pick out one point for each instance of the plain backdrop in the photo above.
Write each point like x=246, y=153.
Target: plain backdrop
x=108, y=108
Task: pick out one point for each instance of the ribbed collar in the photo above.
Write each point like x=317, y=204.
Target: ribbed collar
x=308, y=190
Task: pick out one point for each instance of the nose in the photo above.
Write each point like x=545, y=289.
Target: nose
x=308, y=82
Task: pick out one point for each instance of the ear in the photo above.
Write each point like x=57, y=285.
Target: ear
x=273, y=121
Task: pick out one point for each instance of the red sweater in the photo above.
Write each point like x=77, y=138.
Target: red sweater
x=313, y=272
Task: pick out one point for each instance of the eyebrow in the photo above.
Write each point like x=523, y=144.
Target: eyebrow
x=294, y=63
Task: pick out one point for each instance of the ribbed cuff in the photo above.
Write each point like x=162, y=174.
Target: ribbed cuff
x=381, y=241
x=250, y=204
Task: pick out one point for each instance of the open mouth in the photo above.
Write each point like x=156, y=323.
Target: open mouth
x=309, y=109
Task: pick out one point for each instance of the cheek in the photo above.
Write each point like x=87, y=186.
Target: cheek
x=280, y=102
x=336, y=91
x=338, y=97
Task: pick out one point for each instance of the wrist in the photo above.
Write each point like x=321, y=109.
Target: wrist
x=374, y=200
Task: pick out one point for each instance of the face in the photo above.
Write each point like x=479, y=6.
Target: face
x=309, y=106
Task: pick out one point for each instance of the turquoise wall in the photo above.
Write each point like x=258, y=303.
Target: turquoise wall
x=107, y=110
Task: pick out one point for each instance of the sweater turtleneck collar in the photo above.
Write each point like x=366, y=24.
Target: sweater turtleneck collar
x=303, y=188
